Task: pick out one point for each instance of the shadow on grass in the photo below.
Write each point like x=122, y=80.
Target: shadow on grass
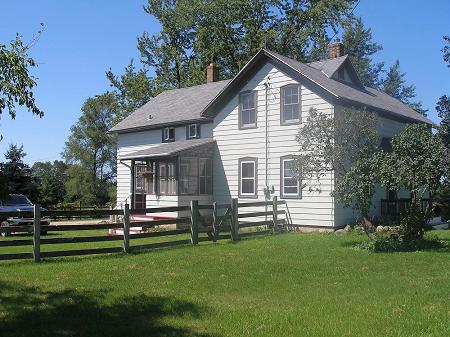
x=26, y=311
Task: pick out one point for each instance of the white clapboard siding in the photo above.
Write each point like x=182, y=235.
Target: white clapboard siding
x=314, y=208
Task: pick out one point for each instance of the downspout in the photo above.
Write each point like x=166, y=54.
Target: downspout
x=266, y=189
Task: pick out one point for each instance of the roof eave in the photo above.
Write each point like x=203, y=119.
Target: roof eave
x=202, y=120
x=389, y=113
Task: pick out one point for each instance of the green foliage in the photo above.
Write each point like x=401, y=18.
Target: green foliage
x=16, y=82
x=330, y=143
x=229, y=32
x=387, y=243
x=51, y=178
x=356, y=187
x=443, y=110
x=446, y=50
x=412, y=224
x=91, y=152
x=16, y=175
x=358, y=44
x=416, y=163
x=132, y=89
x=394, y=84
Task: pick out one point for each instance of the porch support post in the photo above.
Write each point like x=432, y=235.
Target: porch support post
x=132, y=185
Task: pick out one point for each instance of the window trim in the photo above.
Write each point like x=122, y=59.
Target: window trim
x=163, y=139
x=299, y=181
x=291, y=121
x=198, y=131
x=253, y=160
x=248, y=126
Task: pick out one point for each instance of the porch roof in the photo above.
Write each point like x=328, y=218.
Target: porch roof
x=167, y=149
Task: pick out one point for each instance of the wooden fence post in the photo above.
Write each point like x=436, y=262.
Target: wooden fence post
x=194, y=222
x=126, y=229
x=214, y=225
x=275, y=213
x=37, y=233
x=234, y=220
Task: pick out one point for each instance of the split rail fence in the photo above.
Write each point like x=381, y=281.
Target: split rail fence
x=223, y=222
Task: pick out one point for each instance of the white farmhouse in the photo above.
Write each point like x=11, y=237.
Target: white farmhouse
x=236, y=138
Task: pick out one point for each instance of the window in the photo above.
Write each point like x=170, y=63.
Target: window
x=247, y=109
x=195, y=176
x=168, y=135
x=188, y=176
x=193, y=131
x=248, y=180
x=205, y=175
x=290, y=104
x=167, y=178
x=290, y=184
x=145, y=177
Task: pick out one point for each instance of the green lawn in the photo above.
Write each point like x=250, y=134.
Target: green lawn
x=283, y=285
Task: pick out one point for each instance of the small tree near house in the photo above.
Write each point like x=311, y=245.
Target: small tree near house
x=344, y=144
x=418, y=164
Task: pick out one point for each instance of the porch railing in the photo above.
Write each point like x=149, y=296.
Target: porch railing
x=394, y=208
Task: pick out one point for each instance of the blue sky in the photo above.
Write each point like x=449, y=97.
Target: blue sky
x=82, y=39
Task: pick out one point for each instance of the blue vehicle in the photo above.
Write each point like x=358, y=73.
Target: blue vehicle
x=18, y=203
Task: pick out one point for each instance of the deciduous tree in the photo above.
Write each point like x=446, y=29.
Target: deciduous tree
x=50, y=178
x=91, y=151
x=16, y=82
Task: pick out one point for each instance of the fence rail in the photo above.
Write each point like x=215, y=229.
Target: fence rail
x=214, y=225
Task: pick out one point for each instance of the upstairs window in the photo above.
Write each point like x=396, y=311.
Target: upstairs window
x=193, y=131
x=168, y=134
x=248, y=177
x=290, y=104
x=247, y=109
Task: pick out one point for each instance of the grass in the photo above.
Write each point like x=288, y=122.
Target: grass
x=283, y=285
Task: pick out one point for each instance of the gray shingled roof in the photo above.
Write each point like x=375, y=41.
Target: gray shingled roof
x=172, y=106
x=329, y=66
x=370, y=97
x=168, y=149
x=178, y=106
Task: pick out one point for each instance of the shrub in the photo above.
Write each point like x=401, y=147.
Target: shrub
x=412, y=225
x=388, y=244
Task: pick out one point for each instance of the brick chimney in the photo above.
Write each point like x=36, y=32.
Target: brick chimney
x=212, y=73
x=335, y=49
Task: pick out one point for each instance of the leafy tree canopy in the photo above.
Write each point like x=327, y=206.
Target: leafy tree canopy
x=360, y=47
x=16, y=82
x=51, y=178
x=16, y=174
x=91, y=151
x=229, y=32
x=132, y=89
